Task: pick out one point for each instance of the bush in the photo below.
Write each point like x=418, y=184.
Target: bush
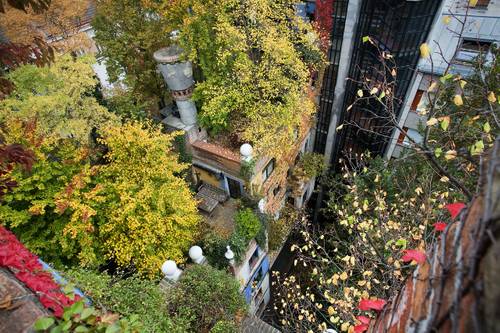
x=224, y=327
x=247, y=223
x=206, y=296
x=127, y=296
x=214, y=247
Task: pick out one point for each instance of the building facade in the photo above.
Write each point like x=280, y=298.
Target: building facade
x=480, y=31
x=395, y=27
x=398, y=27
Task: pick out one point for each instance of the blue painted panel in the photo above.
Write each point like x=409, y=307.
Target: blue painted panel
x=248, y=293
x=62, y=281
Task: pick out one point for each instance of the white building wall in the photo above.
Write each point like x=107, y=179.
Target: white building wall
x=482, y=24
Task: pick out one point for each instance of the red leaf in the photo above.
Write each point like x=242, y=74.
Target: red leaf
x=363, y=319
x=360, y=328
x=416, y=255
x=439, y=226
x=371, y=304
x=455, y=208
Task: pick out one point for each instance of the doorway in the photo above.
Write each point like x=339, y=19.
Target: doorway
x=234, y=188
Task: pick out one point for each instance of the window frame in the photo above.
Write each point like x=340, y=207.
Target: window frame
x=265, y=172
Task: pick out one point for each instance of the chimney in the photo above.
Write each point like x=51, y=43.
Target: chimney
x=179, y=78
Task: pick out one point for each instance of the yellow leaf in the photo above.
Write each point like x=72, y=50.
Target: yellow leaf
x=331, y=311
x=446, y=19
x=344, y=327
x=343, y=276
x=431, y=122
x=458, y=100
x=491, y=97
x=340, y=127
x=360, y=93
x=472, y=3
x=450, y=154
x=425, y=50
x=432, y=87
x=374, y=91
x=462, y=83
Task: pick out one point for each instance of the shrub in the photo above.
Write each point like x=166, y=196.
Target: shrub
x=206, y=296
x=224, y=326
x=247, y=223
x=126, y=296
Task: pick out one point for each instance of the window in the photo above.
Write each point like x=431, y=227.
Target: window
x=268, y=170
x=402, y=135
x=414, y=135
x=416, y=100
x=276, y=190
x=295, y=134
x=471, y=49
x=254, y=259
x=409, y=133
x=482, y=4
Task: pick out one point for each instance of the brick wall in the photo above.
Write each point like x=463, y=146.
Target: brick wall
x=458, y=288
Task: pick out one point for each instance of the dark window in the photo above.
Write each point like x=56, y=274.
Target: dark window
x=471, y=49
x=416, y=100
x=482, y=4
x=402, y=135
x=254, y=259
x=276, y=190
x=268, y=170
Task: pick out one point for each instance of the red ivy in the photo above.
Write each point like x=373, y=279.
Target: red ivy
x=455, y=208
x=439, y=226
x=410, y=255
x=371, y=304
x=324, y=21
x=27, y=269
x=360, y=328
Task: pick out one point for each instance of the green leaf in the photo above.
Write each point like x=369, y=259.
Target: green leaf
x=77, y=307
x=43, y=323
x=445, y=78
x=401, y=242
x=113, y=328
x=445, y=123
x=382, y=95
x=366, y=39
x=56, y=329
x=81, y=328
x=67, y=325
x=87, y=312
x=486, y=127
x=438, y=151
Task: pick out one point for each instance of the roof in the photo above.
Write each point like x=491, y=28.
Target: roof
x=252, y=324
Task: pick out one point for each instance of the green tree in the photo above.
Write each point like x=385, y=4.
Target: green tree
x=127, y=296
x=143, y=212
x=128, y=34
x=59, y=97
x=255, y=58
x=205, y=296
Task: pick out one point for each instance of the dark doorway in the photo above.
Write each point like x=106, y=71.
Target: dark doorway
x=234, y=188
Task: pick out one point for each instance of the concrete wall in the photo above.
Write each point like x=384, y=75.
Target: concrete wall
x=481, y=24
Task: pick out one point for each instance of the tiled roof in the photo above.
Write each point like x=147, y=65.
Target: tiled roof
x=217, y=150
x=252, y=324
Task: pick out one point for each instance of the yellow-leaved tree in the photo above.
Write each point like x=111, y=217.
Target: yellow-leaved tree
x=132, y=207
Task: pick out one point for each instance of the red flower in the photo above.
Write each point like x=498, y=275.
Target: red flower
x=416, y=255
x=363, y=319
x=371, y=304
x=455, y=208
x=360, y=328
x=439, y=226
